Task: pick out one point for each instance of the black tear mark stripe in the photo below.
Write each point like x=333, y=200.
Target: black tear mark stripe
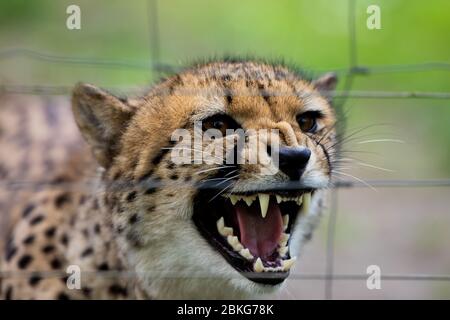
x=327, y=156
x=157, y=159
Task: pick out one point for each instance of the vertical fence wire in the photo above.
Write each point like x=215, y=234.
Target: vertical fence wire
x=154, y=43
x=331, y=229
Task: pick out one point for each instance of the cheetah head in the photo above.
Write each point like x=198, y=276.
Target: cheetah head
x=196, y=223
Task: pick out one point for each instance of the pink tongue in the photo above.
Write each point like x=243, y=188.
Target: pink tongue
x=260, y=235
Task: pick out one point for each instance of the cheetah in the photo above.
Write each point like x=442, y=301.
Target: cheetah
x=115, y=202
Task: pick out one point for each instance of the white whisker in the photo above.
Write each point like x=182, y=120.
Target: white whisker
x=381, y=140
x=356, y=178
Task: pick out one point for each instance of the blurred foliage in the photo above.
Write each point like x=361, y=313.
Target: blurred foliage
x=312, y=34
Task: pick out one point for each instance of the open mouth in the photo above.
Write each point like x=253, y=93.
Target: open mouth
x=252, y=230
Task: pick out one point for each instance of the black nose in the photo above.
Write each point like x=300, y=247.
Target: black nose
x=293, y=161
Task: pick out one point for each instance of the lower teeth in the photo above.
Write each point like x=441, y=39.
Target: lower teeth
x=286, y=265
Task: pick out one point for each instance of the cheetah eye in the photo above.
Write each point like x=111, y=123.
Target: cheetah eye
x=220, y=122
x=308, y=121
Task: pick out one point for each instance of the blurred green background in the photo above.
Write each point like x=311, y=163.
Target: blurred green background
x=312, y=34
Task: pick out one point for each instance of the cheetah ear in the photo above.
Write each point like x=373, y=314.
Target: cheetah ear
x=326, y=82
x=101, y=118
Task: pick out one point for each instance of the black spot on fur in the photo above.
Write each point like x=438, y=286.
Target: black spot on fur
x=151, y=190
x=48, y=249
x=36, y=220
x=134, y=239
x=119, y=229
x=24, y=261
x=87, y=252
x=103, y=267
x=174, y=176
x=56, y=264
x=95, y=205
x=116, y=289
x=50, y=232
x=9, y=293
x=97, y=228
x=29, y=240
x=64, y=239
x=34, y=280
x=62, y=199
x=229, y=98
x=133, y=219
x=87, y=292
x=170, y=165
x=63, y=296
x=131, y=196
x=28, y=210
x=225, y=77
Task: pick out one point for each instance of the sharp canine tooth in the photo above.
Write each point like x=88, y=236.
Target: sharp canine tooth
x=300, y=200
x=306, y=202
x=258, y=266
x=279, y=198
x=233, y=199
x=263, y=203
x=285, y=221
x=287, y=264
x=246, y=254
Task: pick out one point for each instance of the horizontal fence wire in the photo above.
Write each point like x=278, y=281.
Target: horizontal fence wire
x=65, y=90
x=174, y=275
x=340, y=184
x=145, y=66
x=154, y=65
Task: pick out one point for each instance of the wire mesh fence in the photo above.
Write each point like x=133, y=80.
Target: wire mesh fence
x=353, y=70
